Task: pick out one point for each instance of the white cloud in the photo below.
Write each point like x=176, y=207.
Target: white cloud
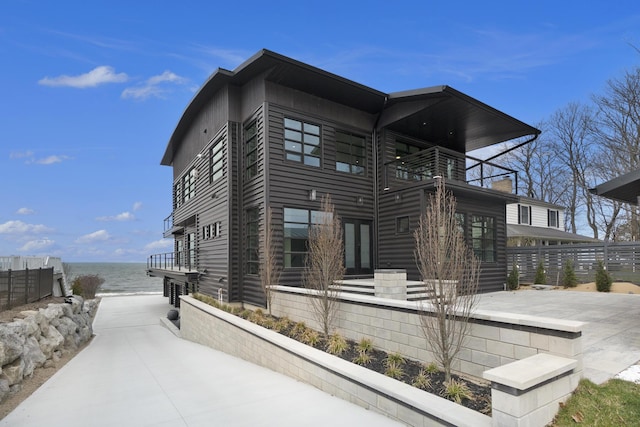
x=153, y=86
x=124, y=216
x=25, y=211
x=37, y=245
x=50, y=160
x=19, y=227
x=30, y=158
x=96, y=236
x=137, y=206
x=99, y=75
x=159, y=244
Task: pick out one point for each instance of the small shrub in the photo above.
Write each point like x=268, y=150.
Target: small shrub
x=298, y=330
x=513, y=279
x=422, y=380
x=394, y=366
x=541, y=277
x=569, y=279
x=86, y=285
x=364, y=347
x=337, y=344
x=431, y=368
x=281, y=324
x=310, y=337
x=456, y=391
x=603, y=278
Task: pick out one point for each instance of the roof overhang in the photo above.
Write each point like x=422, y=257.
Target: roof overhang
x=625, y=188
x=449, y=118
x=440, y=114
x=542, y=233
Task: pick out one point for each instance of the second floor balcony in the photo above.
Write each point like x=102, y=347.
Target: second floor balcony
x=451, y=165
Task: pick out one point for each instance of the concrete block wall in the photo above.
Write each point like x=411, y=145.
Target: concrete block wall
x=222, y=331
x=495, y=338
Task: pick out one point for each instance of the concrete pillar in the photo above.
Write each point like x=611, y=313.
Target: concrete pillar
x=390, y=283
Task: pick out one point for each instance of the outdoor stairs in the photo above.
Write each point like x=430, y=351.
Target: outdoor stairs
x=415, y=289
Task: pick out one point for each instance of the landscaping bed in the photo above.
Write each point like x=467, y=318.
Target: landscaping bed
x=472, y=394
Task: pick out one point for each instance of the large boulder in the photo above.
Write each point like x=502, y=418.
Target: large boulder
x=33, y=357
x=50, y=341
x=13, y=336
x=13, y=372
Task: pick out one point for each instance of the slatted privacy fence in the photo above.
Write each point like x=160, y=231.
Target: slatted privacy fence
x=19, y=287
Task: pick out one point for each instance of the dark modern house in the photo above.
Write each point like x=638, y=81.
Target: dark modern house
x=277, y=133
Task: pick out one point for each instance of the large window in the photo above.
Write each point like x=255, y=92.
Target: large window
x=296, y=234
x=216, y=161
x=251, y=149
x=403, y=170
x=524, y=214
x=302, y=142
x=253, y=241
x=185, y=188
x=351, y=155
x=483, y=237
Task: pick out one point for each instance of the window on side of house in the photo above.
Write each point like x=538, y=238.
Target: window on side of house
x=302, y=142
x=189, y=185
x=402, y=224
x=552, y=218
x=252, y=227
x=251, y=149
x=177, y=194
x=483, y=237
x=216, y=161
x=524, y=214
x=296, y=234
x=461, y=221
x=351, y=154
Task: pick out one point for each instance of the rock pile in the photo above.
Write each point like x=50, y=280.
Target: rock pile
x=41, y=338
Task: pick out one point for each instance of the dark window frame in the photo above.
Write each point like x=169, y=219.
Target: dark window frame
x=483, y=237
x=555, y=215
x=302, y=133
x=399, y=224
x=293, y=256
x=216, y=161
x=524, y=219
x=251, y=148
x=353, y=148
x=252, y=236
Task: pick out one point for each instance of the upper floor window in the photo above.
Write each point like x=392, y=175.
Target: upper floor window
x=177, y=195
x=402, y=224
x=216, y=161
x=302, y=142
x=524, y=214
x=251, y=149
x=553, y=218
x=483, y=237
x=189, y=185
x=351, y=155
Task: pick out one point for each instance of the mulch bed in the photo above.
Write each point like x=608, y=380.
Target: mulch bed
x=480, y=400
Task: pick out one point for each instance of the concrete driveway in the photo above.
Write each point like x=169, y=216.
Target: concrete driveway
x=611, y=336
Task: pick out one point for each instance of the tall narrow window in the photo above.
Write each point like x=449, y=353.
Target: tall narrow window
x=253, y=241
x=189, y=185
x=302, y=142
x=483, y=237
x=177, y=194
x=251, y=149
x=402, y=224
x=216, y=162
x=351, y=155
x=524, y=214
x=552, y=218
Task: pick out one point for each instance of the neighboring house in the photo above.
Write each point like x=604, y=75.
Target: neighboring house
x=532, y=222
x=277, y=133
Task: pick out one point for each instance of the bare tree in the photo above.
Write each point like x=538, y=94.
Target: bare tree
x=450, y=272
x=269, y=267
x=325, y=264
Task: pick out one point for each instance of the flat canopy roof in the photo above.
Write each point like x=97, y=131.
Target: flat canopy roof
x=440, y=114
x=625, y=188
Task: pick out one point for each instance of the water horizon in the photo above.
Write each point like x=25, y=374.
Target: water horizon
x=120, y=278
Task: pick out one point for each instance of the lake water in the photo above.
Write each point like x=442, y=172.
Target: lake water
x=119, y=278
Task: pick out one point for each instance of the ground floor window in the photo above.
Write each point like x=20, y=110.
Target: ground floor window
x=483, y=237
x=252, y=241
x=296, y=234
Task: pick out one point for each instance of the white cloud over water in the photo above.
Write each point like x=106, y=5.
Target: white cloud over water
x=37, y=245
x=19, y=227
x=124, y=216
x=25, y=211
x=96, y=236
x=98, y=76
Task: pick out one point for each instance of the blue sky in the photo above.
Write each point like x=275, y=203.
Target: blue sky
x=91, y=90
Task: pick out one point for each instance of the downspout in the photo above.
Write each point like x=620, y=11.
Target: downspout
x=376, y=167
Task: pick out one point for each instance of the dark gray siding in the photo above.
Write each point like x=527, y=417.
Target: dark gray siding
x=289, y=182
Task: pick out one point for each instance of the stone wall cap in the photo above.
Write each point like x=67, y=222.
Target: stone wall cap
x=526, y=373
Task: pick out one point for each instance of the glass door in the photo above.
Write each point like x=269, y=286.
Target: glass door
x=358, y=246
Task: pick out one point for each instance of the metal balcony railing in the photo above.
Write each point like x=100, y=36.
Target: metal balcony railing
x=174, y=261
x=168, y=223
x=449, y=164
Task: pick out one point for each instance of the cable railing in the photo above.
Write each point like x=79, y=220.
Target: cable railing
x=175, y=261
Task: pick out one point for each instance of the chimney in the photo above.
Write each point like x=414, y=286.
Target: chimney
x=505, y=185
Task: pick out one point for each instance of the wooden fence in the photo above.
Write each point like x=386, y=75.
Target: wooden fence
x=622, y=260
x=19, y=287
